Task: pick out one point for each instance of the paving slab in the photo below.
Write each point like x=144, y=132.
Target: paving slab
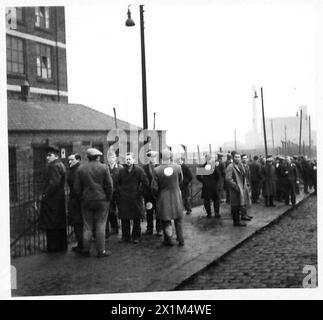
x=145, y=267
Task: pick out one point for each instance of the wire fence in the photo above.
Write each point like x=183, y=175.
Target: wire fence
x=26, y=186
x=26, y=237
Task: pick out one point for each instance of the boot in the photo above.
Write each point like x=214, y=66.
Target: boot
x=236, y=219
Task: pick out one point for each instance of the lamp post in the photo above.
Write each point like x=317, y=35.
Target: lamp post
x=263, y=119
x=131, y=23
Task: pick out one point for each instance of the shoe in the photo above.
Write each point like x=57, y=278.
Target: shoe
x=167, y=243
x=240, y=224
x=249, y=216
x=188, y=213
x=77, y=249
x=124, y=240
x=272, y=205
x=181, y=243
x=85, y=253
x=246, y=218
x=104, y=254
x=135, y=241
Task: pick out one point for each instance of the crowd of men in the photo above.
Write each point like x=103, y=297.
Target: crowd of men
x=105, y=197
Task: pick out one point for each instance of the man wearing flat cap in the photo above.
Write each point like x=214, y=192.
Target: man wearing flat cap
x=94, y=187
x=268, y=173
x=52, y=214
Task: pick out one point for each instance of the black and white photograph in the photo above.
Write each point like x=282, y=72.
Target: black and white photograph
x=161, y=149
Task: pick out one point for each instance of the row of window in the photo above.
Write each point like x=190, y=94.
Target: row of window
x=42, y=16
x=16, y=61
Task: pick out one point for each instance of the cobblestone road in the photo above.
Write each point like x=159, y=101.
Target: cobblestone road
x=273, y=258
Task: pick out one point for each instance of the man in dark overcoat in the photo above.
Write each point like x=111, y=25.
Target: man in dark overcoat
x=291, y=180
x=132, y=182
x=306, y=173
x=114, y=169
x=255, y=179
x=210, y=179
x=149, y=196
x=74, y=204
x=280, y=187
x=184, y=186
x=53, y=212
x=268, y=173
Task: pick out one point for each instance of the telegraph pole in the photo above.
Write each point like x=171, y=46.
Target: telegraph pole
x=309, y=137
x=300, y=133
x=263, y=121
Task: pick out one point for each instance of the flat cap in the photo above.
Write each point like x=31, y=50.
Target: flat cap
x=53, y=148
x=93, y=152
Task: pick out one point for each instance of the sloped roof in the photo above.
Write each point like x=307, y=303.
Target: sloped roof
x=43, y=115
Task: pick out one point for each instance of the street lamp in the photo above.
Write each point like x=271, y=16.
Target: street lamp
x=131, y=23
x=263, y=119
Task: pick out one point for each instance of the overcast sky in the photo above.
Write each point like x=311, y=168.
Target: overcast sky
x=202, y=59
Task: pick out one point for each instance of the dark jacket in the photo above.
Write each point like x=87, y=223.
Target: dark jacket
x=269, y=180
x=291, y=172
x=52, y=211
x=93, y=182
x=74, y=205
x=187, y=178
x=131, y=186
x=255, y=171
x=150, y=174
x=210, y=182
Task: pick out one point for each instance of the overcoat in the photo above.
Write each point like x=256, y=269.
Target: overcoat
x=187, y=178
x=236, y=181
x=210, y=183
x=268, y=173
x=52, y=210
x=74, y=204
x=131, y=186
x=169, y=201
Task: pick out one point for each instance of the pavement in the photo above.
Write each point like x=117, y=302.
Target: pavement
x=279, y=256
x=145, y=267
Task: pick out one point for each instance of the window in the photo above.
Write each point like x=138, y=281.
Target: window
x=42, y=17
x=19, y=14
x=43, y=60
x=15, y=55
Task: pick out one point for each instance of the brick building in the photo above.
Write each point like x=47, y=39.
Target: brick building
x=36, y=53
x=38, y=110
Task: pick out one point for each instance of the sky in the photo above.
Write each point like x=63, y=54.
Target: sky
x=202, y=60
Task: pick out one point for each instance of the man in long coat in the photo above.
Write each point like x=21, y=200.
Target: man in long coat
x=184, y=186
x=132, y=182
x=150, y=197
x=210, y=180
x=169, y=202
x=269, y=182
x=53, y=212
x=114, y=169
x=237, y=184
x=291, y=180
x=246, y=168
x=74, y=204
x=255, y=179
